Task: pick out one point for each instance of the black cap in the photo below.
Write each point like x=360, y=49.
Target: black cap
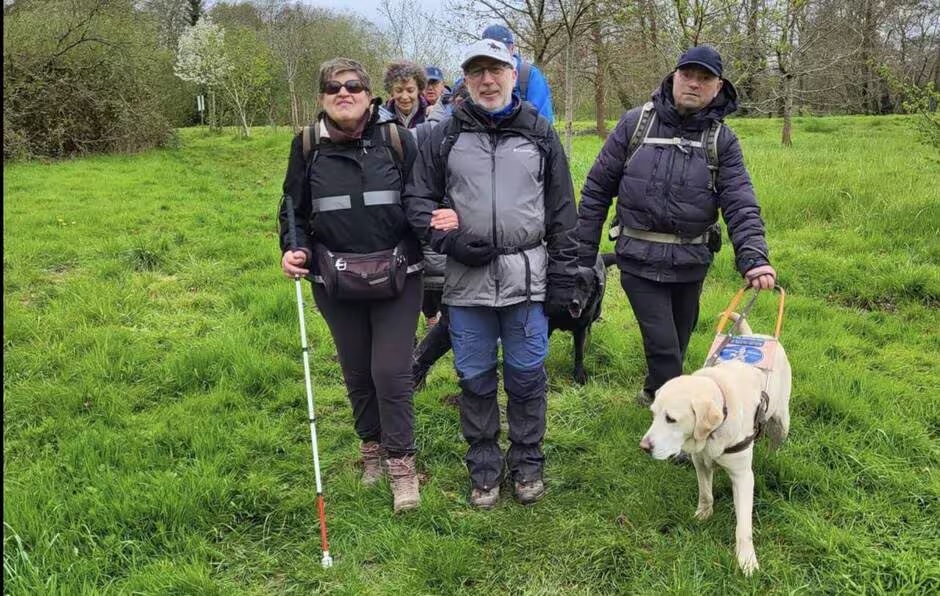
x=705, y=56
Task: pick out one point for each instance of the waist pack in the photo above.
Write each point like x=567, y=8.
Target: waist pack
x=362, y=276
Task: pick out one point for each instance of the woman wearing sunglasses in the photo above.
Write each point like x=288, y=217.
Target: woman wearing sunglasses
x=343, y=195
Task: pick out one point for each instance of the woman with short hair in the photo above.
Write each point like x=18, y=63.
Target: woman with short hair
x=405, y=83
x=343, y=195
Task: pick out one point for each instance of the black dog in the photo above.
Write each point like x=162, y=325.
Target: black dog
x=584, y=309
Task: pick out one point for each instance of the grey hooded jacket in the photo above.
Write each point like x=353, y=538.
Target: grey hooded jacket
x=667, y=189
x=509, y=182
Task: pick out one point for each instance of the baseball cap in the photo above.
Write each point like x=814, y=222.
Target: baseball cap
x=705, y=56
x=499, y=33
x=434, y=73
x=487, y=48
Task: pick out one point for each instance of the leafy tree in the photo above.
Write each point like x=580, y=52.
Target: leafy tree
x=78, y=77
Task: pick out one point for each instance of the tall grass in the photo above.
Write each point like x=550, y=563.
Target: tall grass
x=155, y=436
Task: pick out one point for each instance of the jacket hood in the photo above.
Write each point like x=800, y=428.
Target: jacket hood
x=725, y=103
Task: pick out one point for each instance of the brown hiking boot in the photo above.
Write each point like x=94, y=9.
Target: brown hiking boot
x=373, y=460
x=529, y=492
x=404, y=476
x=484, y=499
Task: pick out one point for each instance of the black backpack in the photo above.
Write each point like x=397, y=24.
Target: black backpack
x=390, y=135
x=641, y=136
x=540, y=137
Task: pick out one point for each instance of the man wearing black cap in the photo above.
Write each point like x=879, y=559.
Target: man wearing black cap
x=674, y=165
x=531, y=85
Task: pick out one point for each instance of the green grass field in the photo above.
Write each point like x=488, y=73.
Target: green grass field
x=155, y=435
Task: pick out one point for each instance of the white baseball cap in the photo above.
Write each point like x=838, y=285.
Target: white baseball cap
x=487, y=48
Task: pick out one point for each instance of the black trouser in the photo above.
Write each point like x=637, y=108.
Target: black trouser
x=666, y=314
x=431, y=303
x=435, y=343
x=373, y=340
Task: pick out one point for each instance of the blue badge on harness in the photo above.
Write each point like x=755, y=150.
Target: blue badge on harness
x=745, y=349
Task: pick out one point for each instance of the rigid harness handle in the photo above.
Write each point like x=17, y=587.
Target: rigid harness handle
x=737, y=299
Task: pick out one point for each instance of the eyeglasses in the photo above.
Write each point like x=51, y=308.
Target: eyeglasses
x=353, y=86
x=494, y=69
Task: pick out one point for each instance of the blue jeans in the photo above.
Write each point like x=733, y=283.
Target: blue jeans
x=475, y=333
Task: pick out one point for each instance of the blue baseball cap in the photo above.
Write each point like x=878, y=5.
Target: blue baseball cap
x=434, y=74
x=498, y=33
x=705, y=56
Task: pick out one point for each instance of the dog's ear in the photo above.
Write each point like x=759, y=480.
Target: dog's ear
x=708, y=416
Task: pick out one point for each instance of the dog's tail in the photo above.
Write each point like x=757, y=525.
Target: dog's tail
x=743, y=327
x=609, y=259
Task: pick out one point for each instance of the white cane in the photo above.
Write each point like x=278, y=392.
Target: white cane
x=327, y=560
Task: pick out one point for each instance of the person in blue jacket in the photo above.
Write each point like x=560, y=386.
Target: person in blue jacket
x=531, y=84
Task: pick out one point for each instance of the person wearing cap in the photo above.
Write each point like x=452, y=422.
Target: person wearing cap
x=436, y=86
x=531, y=84
x=491, y=190
x=669, y=198
x=405, y=83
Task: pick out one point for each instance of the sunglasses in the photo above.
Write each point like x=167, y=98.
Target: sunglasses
x=353, y=86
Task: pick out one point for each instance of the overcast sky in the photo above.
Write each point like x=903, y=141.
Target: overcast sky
x=368, y=8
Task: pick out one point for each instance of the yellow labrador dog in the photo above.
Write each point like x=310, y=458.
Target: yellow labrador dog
x=714, y=415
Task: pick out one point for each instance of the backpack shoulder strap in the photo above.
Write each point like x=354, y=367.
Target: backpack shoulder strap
x=642, y=129
x=710, y=144
x=525, y=70
x=392, y=138
x=308, y=131
x=450, y=137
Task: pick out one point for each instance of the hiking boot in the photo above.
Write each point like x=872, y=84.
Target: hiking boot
x=484, y=499
x=404, y=477
x=644, y=398
x=529, y=492
x=373, y=459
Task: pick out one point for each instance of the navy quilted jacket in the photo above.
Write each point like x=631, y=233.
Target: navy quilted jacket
x=666, y=189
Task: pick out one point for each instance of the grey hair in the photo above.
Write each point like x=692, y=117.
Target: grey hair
x=335, y=65
x=399, y=72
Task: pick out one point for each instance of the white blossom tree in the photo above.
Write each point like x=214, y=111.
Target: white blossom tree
x=200, y=59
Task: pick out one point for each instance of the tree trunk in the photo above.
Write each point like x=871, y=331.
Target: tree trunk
x=786, y=137
x=294, y=112
x=213, y=113
x=246, y=130
x=600, y=90
x=569, y=95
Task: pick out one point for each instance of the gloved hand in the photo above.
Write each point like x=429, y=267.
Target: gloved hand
x=559, y=295
x=464, y=247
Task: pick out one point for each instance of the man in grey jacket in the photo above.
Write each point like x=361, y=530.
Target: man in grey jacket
x=508, y=230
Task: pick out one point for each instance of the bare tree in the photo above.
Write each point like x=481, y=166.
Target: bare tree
x=415, y=34
x=573, y=15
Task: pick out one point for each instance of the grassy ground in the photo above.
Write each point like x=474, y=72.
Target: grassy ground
x=155, y=436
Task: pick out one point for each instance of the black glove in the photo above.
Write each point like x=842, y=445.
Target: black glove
x=466, y=248
x=559, y=295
